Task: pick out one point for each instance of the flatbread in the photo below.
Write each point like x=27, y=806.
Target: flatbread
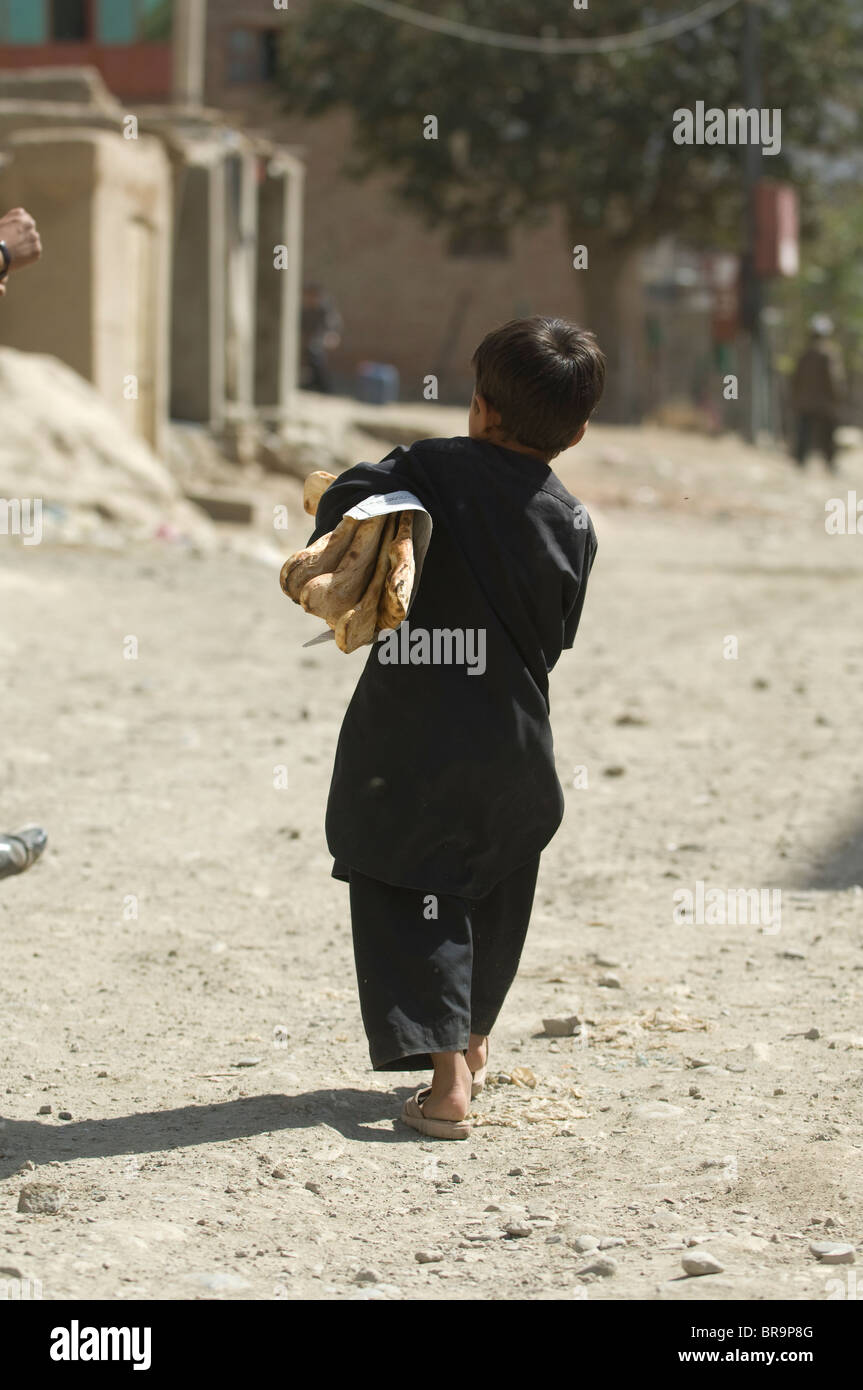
x=314, y=488
x=359, y=625
x=329, y=596
x=321, y=558
x=399, y=583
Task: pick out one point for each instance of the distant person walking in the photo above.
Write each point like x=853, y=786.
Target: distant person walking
x=321, y=332
x=817, y=389
x=20, y=246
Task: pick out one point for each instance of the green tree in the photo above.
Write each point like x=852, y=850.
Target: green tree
x=521, y=134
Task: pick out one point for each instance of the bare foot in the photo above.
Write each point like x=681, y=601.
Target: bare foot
x=450, y=1088
x=477, y=1052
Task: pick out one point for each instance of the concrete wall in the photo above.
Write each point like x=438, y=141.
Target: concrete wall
x=98, y=298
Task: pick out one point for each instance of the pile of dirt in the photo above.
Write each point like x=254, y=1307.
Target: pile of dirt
x=63, y=446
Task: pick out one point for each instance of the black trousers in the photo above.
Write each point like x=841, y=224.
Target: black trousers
x=815, y=432
x=432, y=969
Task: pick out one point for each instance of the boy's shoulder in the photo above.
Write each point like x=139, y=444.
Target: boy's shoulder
x=547, y=489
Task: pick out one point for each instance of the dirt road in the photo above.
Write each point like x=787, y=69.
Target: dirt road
x=184, y=911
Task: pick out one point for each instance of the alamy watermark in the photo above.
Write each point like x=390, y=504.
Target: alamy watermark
x=438, y=646
x=19, y=1288
x=710, y=125
x=21, y=516
x=720, y=907
x=844, y=516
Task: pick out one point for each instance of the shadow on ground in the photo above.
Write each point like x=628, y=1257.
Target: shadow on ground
x=351, y=1113
x=839, y=864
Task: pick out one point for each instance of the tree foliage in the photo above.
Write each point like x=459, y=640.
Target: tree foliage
x=521, y=134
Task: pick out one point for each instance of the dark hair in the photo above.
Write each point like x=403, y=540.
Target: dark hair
x=543, y=376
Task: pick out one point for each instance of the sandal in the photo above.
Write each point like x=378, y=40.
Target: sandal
x=412, y=1114
x=18, y=852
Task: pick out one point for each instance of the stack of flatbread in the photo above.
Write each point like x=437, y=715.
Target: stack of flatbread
x=359, y=577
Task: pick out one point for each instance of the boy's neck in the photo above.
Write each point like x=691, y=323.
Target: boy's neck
x=503, y=442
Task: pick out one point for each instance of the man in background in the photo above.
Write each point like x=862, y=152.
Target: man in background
x=321, y=332
x=817, y=388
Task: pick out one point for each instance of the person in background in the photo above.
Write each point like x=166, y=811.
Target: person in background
x=20, y=246
x=817, y=388
x=321, y=332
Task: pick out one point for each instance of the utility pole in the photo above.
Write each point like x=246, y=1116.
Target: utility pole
x=752, y=297
x=189, y=41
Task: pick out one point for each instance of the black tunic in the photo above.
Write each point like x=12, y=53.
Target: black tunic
x=444, y=781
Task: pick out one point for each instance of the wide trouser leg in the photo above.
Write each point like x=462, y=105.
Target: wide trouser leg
x=499, y=925
x=413, y=954
x=432, y=969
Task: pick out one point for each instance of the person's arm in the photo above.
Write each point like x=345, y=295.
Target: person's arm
x=20, y=236
x=572, y=617
x=364, y=480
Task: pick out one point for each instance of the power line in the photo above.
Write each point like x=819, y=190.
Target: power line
x=551, y=47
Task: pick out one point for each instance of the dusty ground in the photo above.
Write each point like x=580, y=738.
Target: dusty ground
x=184, y=910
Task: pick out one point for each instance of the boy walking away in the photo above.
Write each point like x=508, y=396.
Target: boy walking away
x=444, y=791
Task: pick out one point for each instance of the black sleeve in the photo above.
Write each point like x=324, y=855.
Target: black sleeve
x=364, y=480
x=573, y=616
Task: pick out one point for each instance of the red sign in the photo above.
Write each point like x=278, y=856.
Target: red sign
x=777, y=250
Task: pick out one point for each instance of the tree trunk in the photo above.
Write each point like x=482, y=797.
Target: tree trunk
x=614, y=311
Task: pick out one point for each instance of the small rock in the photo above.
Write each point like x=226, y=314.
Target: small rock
x=561, y=1027
x=609, y=981
x=366, y=1276
x=45, y=1109
x=516, y=1173
x=312, y=1186
x=428, y=1257
x=604, y=1267
x=584, y=1244
x=813, y=1034
x=456, y=1177
x=658, y=1110
x=41, y=1198
x=613, y=771
x=701, y=1262
x=609, y=1242
x=64, y=1114
x=831, y=1253
x=517, y=1229
x=278, y=1173
x=248, y=1062
x=793, y=955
